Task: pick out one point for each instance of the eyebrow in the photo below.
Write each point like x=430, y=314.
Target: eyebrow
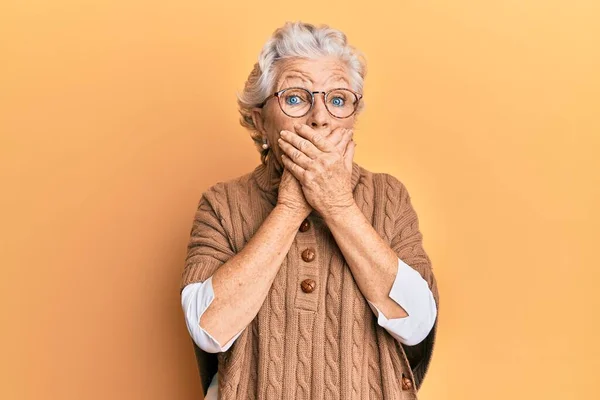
x=304, y=77
x=295, y=74
x=338, y=77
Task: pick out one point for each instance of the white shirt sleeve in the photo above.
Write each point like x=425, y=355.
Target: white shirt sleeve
x=412, y=293
x=195, y=299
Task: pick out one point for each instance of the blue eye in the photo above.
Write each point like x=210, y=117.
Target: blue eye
x=337, y=101
x=293, y=100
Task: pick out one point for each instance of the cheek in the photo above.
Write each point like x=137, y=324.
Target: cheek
x=274, y=124
x=349, y=122
x=278, y=122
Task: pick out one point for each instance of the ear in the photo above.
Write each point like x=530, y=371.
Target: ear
x=258, y=120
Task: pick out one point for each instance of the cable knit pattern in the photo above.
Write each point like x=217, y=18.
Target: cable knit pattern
x=276, y=337
x=253, y=379
x=323, y=345
x=374, y=375
x=332, y=326
x=304, y=353
x=357, y=334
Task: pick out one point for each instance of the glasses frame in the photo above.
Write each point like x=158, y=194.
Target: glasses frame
x=312, y=96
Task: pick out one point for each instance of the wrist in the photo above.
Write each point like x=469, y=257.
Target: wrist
x=341, y=213
x=295, y=216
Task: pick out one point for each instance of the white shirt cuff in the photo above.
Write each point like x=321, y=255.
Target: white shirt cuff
x=412, y=293
x=195, y=299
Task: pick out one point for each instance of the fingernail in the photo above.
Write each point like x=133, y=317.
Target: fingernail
x=297, y=126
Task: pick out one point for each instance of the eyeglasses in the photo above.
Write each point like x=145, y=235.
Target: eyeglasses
x=296, y=102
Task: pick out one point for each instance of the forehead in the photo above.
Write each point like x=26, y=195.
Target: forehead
x=320, y=73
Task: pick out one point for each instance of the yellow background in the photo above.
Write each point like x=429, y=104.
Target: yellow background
x=116, y=115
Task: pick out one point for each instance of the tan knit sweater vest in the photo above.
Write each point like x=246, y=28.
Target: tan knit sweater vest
x=322, y=345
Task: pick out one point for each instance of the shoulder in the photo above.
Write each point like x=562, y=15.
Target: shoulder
x=383, y=186
x=221, y=194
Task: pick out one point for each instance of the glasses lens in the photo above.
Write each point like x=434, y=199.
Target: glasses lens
x=295, y=102
x=341, y=102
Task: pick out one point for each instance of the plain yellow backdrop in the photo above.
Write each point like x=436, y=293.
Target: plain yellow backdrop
x=116, y=115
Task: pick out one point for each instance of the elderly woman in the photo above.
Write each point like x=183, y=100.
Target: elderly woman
x=307, y=276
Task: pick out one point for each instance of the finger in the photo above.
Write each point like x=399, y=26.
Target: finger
x=346, y=138
x=336, y=135
x=349, y=156
x=295, y=169
x=297, y=141
x=294, y=154
x=315, y=137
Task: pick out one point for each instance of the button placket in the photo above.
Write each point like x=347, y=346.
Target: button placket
x=307, y=284
x=309, y=254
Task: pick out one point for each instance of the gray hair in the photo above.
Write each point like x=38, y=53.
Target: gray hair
x=295, y=39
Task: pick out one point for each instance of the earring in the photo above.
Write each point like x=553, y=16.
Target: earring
x=265, y=145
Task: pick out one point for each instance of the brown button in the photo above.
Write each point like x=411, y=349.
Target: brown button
x=308, y=285
x=309, y=254
x=305, y=225
x=406, y=383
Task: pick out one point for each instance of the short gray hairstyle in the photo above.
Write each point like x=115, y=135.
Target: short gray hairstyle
x=302, y=40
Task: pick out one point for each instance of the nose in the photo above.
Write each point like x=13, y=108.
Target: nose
x=319, y=117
